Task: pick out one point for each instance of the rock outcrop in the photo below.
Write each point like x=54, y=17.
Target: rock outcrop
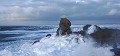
x=101, y=35
x=88, y=29
x=116, y=51
x=107, y=36
x=64, y=27
x=85, y=28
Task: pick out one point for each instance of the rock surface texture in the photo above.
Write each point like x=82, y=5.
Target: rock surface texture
x=102, y=36
x=64, y=27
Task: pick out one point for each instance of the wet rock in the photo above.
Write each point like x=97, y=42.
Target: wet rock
x=80, y=32
x=97, y=27
x=103, y=36
x=107, y=36
x=85, y=28
x=35, y=42
x=83, y=32
x=65, y=22
x=48, y=35
x=92, y=29
x=116, y=51
x=88, y=29
x=64, y=27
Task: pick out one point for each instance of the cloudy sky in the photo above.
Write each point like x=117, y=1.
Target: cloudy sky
x=39, y=12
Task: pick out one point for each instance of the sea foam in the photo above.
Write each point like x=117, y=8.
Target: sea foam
x=72, y=45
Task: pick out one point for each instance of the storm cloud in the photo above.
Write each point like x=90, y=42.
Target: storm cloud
x=106, y=11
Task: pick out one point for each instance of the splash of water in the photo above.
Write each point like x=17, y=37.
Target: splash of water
x=72, y=45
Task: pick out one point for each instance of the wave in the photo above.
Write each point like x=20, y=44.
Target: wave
x=30, y=28
x=73, y=45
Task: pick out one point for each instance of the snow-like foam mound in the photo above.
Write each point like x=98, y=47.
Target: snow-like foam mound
x=91, y=29
x=5, y=53
x=73, y=45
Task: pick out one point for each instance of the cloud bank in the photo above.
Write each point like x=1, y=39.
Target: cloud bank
x=52, y=10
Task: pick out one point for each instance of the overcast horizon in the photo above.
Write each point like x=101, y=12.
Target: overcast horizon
x=49, y=12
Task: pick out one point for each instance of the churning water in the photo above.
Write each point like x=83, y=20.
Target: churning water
x=18, y=41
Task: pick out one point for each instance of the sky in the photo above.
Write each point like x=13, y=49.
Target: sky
x=49, y=12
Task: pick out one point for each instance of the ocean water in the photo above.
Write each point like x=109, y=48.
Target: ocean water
x=18, y=41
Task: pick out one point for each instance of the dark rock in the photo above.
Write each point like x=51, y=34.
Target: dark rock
x=97, y=27
x=107, y=36
x=80, y=32
x=48, y=35
x=36, y=42
x=116, y=51
x=85, y=28
x=64, y=27
x=65, y=22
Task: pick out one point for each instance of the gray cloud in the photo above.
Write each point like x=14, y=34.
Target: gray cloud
x=52, y=10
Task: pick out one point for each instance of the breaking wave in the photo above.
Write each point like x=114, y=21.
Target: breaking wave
x=73, y=45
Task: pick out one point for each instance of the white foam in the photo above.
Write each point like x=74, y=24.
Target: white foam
x=87, y=49
x=5, y=53
x=91, y=29
x=60, y=46
x=67, y=46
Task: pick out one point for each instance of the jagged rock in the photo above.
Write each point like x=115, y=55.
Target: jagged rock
x=85, y=28
x=92, y=29
x=107, y=36
x=64, y=27
x=83, y=32
x=65, y=22
x=97, y=27
x=103, y=36
x=88, y=29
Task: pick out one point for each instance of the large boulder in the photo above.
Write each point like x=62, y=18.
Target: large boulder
x=92, y=29
x=64, y=27
x=107, y=36
x=65, y=22
x=88, y=29
x=101, y=35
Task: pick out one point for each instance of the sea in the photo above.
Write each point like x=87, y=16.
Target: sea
x=18, y=41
